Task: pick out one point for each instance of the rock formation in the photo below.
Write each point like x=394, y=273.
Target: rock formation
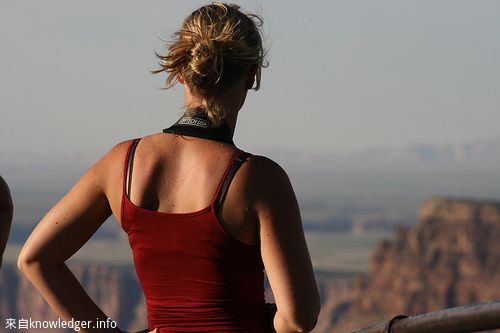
x=450, y=257
x=113, y=288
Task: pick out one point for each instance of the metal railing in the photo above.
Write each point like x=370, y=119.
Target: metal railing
x=462, y=319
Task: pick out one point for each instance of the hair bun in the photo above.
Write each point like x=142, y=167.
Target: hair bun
x=207, y=59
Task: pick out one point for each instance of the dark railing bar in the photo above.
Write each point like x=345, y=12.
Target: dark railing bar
x=462, y=319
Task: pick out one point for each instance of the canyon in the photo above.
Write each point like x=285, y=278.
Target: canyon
x=450, y=257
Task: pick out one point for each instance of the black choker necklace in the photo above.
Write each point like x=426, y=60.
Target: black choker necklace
x=201, y=128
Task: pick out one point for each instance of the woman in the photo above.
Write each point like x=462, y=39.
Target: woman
x=203, y=217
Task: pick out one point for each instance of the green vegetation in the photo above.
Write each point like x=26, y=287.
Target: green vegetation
x=342, y=252
x=98, y=251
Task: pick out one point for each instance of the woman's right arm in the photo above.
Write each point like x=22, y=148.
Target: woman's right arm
x=284, y=249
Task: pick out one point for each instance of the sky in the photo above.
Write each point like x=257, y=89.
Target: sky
x=342, y=75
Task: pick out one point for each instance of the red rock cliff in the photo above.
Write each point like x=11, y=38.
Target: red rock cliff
x=450, y=257
x=114, y=289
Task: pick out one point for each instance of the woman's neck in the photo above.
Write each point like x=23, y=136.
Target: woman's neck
x=230, y=119
x=230, y=111
x=231, y=101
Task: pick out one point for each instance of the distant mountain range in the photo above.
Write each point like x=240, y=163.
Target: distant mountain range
x=367, y=189
x=487, y=150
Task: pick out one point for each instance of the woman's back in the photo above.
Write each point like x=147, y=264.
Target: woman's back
x=195, y=275
x=181, y=174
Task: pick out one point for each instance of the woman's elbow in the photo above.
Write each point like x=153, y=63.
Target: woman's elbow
x=26, y=260
x=23, y=261
x=302, y=319
x=308, y=319
x=307, y=312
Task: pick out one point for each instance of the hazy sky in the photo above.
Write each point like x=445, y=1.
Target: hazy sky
x=343, y=74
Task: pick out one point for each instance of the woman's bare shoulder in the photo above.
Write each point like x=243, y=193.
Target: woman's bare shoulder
x=264, y=167
x=265, y=176
x=109, y=168
x=117, y=153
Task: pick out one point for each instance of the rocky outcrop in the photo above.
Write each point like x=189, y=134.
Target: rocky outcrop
x=450, y=257
x=114, y=288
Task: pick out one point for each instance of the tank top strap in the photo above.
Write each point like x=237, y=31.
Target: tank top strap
x=224, y=183
x=127, y=174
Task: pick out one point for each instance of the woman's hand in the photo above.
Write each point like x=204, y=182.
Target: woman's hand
x=144, y=331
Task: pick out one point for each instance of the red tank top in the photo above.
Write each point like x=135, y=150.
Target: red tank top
x=196, y=277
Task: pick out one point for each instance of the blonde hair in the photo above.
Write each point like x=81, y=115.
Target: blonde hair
x=215, y=48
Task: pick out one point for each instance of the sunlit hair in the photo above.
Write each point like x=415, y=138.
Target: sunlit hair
x=215, y=48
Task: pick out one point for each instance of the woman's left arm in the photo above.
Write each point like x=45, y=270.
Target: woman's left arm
x=60, y=234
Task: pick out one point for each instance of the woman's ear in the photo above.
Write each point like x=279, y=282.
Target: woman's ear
x=251, y=77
